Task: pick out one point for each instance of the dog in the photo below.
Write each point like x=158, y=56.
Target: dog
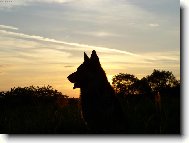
x=101, y=109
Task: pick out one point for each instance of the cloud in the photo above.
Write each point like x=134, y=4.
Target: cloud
x=29, y=2
x=163, y=56
x=100, y=34
x=68, y=66
x=81, y=47
x=154, y=25
x=45, y=46
x=47, y=1
x=163, y=7
x=40, y=43
x=8, y=27
x=57, y=1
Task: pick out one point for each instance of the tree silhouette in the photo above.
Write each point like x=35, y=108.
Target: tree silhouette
x=124, y=84
x=158, y=81
x=142, y=87
x=161, y=80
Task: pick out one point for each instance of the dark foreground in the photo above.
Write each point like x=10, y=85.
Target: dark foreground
x=54, y=113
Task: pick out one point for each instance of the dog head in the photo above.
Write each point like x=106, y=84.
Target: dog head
x=86, y=72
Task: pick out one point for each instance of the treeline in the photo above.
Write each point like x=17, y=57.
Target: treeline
x=28, y=96
x=159, y=82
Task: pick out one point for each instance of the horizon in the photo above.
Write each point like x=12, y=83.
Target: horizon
x=42, y=42
x=77, y=89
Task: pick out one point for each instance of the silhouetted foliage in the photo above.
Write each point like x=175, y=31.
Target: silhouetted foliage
x=125, y=84
x=30, y=96
x=33, y=91
x=143, y=87
x=160, y=80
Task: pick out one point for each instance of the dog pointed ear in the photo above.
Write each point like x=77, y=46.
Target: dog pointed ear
x=86, y=58
x=94, y=57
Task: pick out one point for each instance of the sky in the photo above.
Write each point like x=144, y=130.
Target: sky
x=43, y=41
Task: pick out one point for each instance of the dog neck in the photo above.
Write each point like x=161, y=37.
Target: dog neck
x=96, y=88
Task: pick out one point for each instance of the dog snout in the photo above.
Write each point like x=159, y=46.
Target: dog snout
x=71, y=77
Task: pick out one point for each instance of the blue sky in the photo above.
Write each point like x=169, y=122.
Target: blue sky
x=42, y=41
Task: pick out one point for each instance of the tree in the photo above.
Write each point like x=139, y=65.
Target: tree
x=124, y=83
x=142, y=87
x=160, y=80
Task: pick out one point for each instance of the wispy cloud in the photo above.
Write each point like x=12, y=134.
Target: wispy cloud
x=81, y=46
x=8, y=27
x=100, y=34
x=57, y=1
x=154, y=25
x=68, y=66
x=10, y=4
x=62, y=46
x=163, y=56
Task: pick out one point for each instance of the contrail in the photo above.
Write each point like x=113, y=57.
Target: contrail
x=40, y=38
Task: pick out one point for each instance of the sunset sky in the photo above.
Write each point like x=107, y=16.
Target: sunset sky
x=42, y=41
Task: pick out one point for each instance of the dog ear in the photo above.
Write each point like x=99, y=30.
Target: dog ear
x=86, y=58
x=94, y=57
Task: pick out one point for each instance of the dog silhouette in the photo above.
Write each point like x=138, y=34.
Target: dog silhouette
x=101, y=109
